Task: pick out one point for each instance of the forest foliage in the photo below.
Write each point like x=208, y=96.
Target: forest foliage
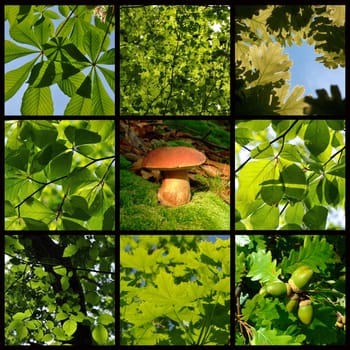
x=59, y=175
x=262, y=69
x=175, y=60
x=72, y=54
x=174, y=290
x=263, y=319
x=59, y=290
x=290, y=174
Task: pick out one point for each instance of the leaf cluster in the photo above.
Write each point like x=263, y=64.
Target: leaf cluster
x=261, y=68
x=175, y=290
x=173, y=62
x=266, y=320
x=39, y=312
x=59, y=175
x=285, y=183
x=62, y=53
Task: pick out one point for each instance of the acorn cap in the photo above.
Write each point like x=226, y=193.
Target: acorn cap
x=173, y=158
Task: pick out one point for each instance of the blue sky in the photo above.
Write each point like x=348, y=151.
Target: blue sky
x=311, y=74
x=60, y=100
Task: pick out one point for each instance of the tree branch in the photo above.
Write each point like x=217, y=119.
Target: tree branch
x=60, y=178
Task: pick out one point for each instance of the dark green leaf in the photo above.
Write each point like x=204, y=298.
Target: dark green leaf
x=316, y=218
x=317, y=136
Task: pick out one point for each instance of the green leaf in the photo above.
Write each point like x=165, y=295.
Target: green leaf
x=79, y=178
x=109, y=76
x=59, y=166
x=85, y=88
x=76, y=207
x=33, y=208
x=71, y=225
x=70, y=250
x=337, y=170
x=336, y=124
x=64, y=282
x=60, y=316
x=295, y=213
x=317, y=136
x=105, y=319
x=92, y=42
x=262, y=267
x=265, y=218
x=108, y=57
x=294, y=181
x=23, y=33
x=78, y=105
x=35, y=225
x=42, y=132
x=262, y=151
x=109, y=219
x=43, y=29
x=9, y=209
x=49, y=72
x=17, y=158
x=84, y=137
x=15, y=78
x=12, y=51
x=69, y=327
x=102, y=103
x=272, y=191
x=331, y=192
x=316, y=218
x=100, y=334
x=37, y=101
x=60, y=270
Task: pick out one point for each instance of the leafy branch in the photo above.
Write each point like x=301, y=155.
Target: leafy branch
x=58, y=179
x=282, y=136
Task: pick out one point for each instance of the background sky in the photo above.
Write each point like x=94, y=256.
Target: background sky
x=60, y=100
x=311, y=74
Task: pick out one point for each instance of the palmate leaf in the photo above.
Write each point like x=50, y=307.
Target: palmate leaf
x=16, y=78
x=92, y=42
x=293, y=104
x=108, y=57
x=23, y=33
x=102, y=103
x=37, y=101
x=12, y=51
x=109, y=76
x=78, y=105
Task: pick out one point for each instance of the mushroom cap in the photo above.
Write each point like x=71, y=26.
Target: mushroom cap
x=173, y=158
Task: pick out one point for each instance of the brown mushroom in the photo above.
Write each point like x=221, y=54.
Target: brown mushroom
x=174, y=161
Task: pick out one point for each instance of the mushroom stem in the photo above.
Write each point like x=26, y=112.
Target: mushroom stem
x=175, y=189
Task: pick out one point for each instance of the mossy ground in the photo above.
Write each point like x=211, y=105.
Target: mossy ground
x=139, y=207
x=140, y=210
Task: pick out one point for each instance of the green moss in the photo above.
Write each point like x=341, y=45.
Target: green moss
x=139, y=208
x=214, y=131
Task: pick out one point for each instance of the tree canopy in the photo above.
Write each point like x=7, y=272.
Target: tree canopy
x=262, y=69
x=174, y=290
x=59, y=175
x=63, y=54
x=59, y=290
x=290, y=174
x=175, y=60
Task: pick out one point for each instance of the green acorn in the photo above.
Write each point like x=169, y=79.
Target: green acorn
x=277, y=288
x=305, y=312
x=300, y=278
x=292, y=302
